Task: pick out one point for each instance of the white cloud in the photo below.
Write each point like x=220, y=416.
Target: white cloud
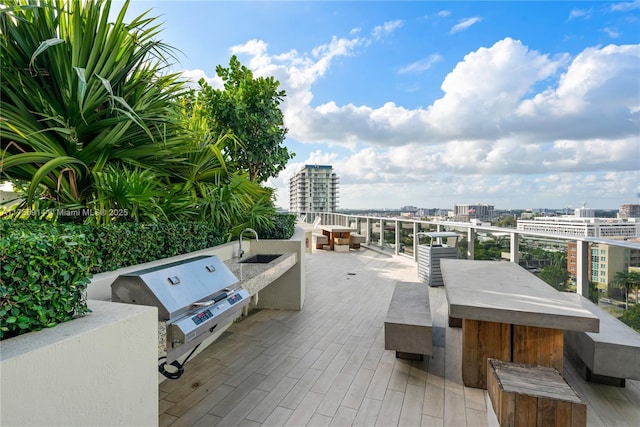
x=487, y=96
x=421, y=65
x=596, y=96
x=385, y=29
x=194, y=76
x=483, y=90
x=579, y=13
x=509, y=117
x=464, y=24
x=444, y=13
x=611, y=33
x=625, y=6
x=253, y=47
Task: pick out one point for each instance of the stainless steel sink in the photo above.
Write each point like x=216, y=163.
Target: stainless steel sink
x=260, y=259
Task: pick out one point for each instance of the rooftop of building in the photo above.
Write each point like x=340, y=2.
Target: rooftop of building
x=326, y=364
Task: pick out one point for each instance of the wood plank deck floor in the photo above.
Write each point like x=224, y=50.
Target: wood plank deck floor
x=326, y=365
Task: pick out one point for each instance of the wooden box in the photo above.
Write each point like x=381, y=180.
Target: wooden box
x=532, y=395
x=341, y=241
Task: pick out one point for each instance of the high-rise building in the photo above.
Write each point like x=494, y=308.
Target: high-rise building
x=584, y=212
x=466, y=213
x=629, y=211
x=606, y=261
x=607, y=228
x=314, y=189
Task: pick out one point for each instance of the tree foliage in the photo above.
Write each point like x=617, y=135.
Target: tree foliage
x=92, y=123
x=220, y=192
x=594, y=294
x=555, y=276
x=489, y=250
x=249, y=108
x=506, y=221
x=627, y=280
x=80, y=93
x=632, y=317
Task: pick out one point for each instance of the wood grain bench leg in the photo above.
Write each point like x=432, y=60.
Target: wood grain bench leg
x=482, y=340
x=532, y=395
x=538, y=346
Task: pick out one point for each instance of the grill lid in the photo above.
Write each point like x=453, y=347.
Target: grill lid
x=174, y=287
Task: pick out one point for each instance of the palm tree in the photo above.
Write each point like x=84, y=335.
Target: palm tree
x=79, y=93
x=623, y=280
x=90, y=119
x=634, y=278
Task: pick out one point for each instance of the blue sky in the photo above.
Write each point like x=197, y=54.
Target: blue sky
x=512, y=103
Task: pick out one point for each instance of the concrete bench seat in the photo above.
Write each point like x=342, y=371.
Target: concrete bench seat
x=408, y=325
x=606, y=357
x=357, y=240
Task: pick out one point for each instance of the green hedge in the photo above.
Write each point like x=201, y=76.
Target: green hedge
x=283, y=228
x=43, y=278
x=46, y=267
x=126, y=244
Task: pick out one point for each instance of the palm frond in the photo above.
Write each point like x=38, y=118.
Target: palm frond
x=78, y=86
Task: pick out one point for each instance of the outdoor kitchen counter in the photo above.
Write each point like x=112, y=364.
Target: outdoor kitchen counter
x=254, y=277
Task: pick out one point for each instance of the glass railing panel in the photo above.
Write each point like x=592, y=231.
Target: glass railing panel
x=490, y=243
x=537, y=253
x=389, y=241
x=490, y=246
x=374, y=232
x=406, y=237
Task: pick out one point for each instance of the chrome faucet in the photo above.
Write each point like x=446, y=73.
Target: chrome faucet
x=240, y=251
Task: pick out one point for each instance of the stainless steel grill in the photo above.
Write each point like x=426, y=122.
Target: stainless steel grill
x=193, y=297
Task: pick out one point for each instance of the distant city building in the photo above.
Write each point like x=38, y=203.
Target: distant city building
x=465, y=213
x=572, y=259
x=314, y=189
x=606, y=228
x=584, y=212
x=629, y=211
x=431, y=213
x=634, y=255
x=606, y=261
x=408, y=211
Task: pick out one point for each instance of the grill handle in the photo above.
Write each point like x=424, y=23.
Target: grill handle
x=204, y=304
x=215, y=299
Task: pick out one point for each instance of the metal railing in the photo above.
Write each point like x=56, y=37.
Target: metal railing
x=396, y=236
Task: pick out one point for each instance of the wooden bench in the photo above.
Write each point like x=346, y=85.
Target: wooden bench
x=531, y=395
x=408, y=326
x=341, y=244
x=320, y=240
x=606, y=357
